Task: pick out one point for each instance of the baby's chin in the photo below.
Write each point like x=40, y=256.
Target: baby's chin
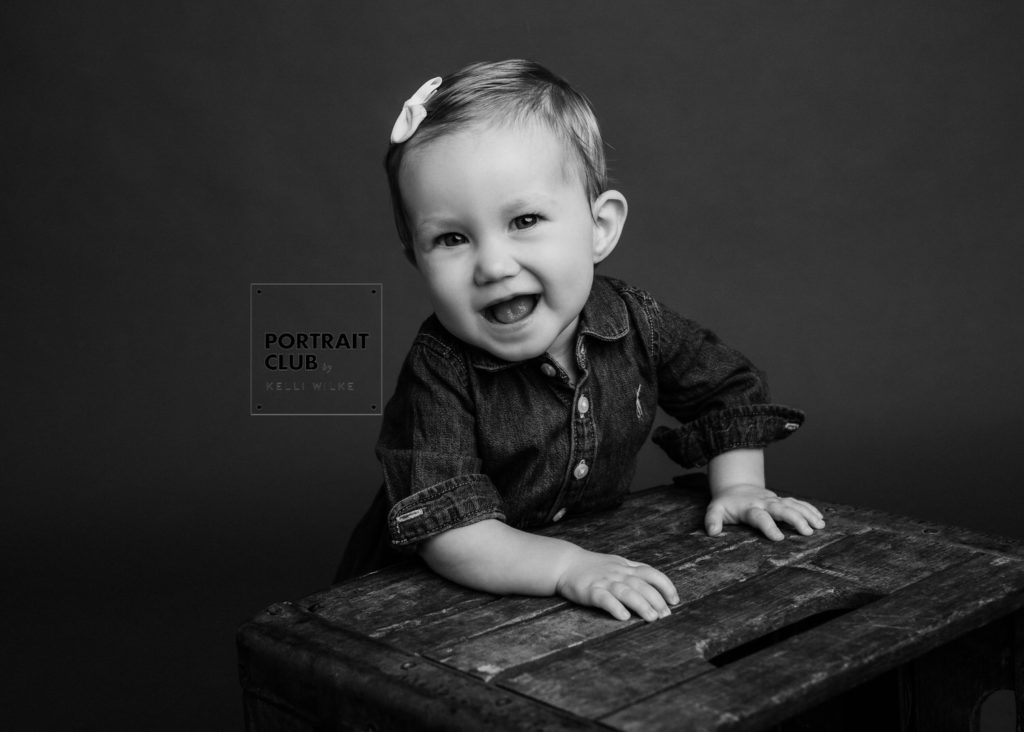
x=514, y=354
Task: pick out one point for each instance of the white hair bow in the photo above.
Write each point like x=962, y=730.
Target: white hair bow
x=413, y=111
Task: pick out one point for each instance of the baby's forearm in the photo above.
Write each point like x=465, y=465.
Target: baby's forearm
x=494, y=557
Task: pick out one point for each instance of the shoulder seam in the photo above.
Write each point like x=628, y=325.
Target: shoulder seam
x=444, y=356
x=647, y=308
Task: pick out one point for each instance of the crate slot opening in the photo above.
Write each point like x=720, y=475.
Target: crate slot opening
x=777, y=636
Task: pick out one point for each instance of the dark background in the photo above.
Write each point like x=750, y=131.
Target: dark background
x=835, y=187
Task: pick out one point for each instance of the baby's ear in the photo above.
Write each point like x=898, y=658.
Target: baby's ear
x=609, y=214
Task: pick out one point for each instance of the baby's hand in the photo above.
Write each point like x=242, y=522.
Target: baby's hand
x=617, y=585
x=760, y=508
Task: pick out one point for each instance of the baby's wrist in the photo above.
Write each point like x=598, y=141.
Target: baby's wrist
x=735, y=471
x=563, y=564
x=723, y=490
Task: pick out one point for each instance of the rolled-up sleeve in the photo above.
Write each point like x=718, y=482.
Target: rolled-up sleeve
x=718, y=395
x=458, y=501
x=428, y=451
x=752, y=426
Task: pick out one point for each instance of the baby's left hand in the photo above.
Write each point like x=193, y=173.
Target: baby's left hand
x=759, y=507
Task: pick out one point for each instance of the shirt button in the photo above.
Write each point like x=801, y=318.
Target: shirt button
x=583, y=405
x=581, y=470
x=548, y=370
x=558, y=515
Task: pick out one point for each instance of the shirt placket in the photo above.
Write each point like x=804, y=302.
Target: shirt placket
x=582, y=449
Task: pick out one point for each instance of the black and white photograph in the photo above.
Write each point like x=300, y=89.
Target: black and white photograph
x=608, y=366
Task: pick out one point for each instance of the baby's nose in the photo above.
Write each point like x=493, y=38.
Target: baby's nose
x=495, y=260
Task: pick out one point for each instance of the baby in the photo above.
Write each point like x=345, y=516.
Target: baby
x=528, y=393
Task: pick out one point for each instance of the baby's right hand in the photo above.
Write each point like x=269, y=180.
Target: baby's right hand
x=617, y=585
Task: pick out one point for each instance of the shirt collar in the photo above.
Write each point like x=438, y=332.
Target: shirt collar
x=604, y=316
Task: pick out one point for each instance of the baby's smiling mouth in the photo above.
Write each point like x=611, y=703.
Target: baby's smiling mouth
x=511, y=310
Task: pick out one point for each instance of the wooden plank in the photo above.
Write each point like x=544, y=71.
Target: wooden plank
x=643, y=518
x=723, y=562
x=330, y=678
x=488, y=655
x=844, y=517
x=389, y=596
x=774, y=684
x=739, y=555
x=420, y=634
x=601, y=677
x=884, y=561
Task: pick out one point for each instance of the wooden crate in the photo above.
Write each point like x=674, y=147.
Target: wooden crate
x=876, y=623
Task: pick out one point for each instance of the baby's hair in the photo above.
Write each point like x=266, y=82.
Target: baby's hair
x=505, y=92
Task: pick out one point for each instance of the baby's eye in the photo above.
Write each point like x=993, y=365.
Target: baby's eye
x=525, y=221
x=451, y=239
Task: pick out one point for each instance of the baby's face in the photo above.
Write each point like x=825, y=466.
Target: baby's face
x=504, y=235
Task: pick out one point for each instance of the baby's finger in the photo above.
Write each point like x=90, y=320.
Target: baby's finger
x=651, y=594
x=604, y=599
x=713, y=519
x=807, y=509
x=760, y=519
x=634, y=600
x=814, y=516
x=781, y=511
x=661, y=582
x=809, y=512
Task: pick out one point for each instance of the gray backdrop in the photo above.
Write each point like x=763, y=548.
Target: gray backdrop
x=835, y=187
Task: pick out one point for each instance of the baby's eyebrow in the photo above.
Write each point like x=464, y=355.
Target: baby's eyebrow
x=517, y=204
x=435, y=223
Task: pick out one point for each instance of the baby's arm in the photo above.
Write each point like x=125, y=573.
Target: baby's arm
x=494, y=557
x=738, y=495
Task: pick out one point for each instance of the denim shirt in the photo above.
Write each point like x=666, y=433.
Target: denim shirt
x=468, y=436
